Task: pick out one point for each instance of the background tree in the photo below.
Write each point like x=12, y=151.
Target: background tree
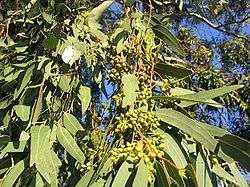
x=98, y=96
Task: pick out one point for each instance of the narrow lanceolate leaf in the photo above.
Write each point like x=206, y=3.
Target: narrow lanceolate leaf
x=13, y=174
x=237, y=148
x=71, y=123
x=68, y=142
x=22, y=111
x=123, y=174
x=162, y=178
x=24, y=82
x=188, y=126
x=141, y=175
x=39, y=134
x=203, y=172
x=202, y=96
x=37, y=108
x=174, y=152
x=237, y=175
x=130, y=85
x=173, y=70
x=177, y=91
x=193, y=128
x=85, y=97
x=84, y=181
x=218, y=170
x=168, y=38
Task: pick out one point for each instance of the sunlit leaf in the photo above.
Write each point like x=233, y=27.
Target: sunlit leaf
x=141, y=175
x=13, y=174
x=123, y=174
x=174, y=151
x=192, y=128
x=130, y=85
x=165, y=35
x=237, y=175
x=84, y=181
x=222, y=173
x=25, y=81
x=71, y=123
x=64, y=83
x=85, y=97
x=68, y=142
x=22, y=111
x=39, y=136
x=203, y=173
x=206, y=95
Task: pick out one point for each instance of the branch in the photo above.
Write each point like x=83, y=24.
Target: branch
x=216, y=27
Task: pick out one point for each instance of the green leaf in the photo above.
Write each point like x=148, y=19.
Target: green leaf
x=123, y=174
x=37, y=108
x=141, y=175
x=177, y=91
x=188, y=126
x=162, y=178
x=203, y=172
x=206, y=95
x=130, y=85
x=41, y=153
x=64, y=83
x=39, y=181
x=70, y=145
x=165, y=35
x=24, y=82
x=39, y=136
x=129, y=2
x=71, y=123
x=173, y=70
x=222, y=173
x=192, y=128
x=5, y=103
x=237, y=175
x=98, y=183
x=51, y=41
x=174, y=151
x=84, y=181
x=22, y=111
x=13, y=174
x=237, y=148
x=13, y=147
x=85, y=97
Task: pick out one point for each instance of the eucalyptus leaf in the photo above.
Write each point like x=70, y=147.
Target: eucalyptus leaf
x=141, y=175
x=70, y=145
x=123, y=174
x=25, y=81
x=22, y=111
x=13, y=174
x=130, y=86
x=85, y=97
x=71, y=123
x=164, y=34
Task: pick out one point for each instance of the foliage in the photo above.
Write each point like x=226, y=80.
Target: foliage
x=59, y=57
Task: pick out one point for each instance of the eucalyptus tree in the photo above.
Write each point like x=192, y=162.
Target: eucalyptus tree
x=95, y=97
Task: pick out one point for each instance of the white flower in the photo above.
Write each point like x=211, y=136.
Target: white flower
x=68, y=53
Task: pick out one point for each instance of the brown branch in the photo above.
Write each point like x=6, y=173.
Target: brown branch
x=216, y=27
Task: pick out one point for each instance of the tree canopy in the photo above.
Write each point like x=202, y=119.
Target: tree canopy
x=107, y=93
